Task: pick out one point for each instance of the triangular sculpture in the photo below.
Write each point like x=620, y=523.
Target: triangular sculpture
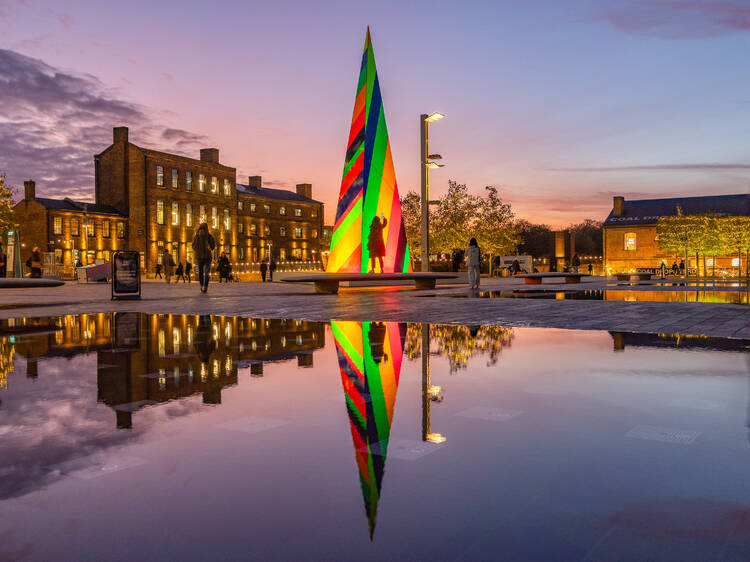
x=369, y=356
x=368, y=185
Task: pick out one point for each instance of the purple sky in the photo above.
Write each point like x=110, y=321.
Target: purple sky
x=560, y=104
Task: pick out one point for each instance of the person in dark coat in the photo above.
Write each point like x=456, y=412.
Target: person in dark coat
x=575, y=263
x=158, y=271
x=271, y=269
x=223, y=267
x=179, y=272
x=34, y=263
x=375, y=243
x=203, y=341
x=188, y=270
x=263, y=270
x=377, y=342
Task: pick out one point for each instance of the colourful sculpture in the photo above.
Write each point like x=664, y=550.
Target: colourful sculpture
x=369, y=356
x=368, y=200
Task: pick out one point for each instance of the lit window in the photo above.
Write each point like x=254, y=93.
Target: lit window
x=162, y=343
x=227, y=220
x=214, y=185
x=253, y=228
x=160, y=212
x=57, y=225
x=252, y=207
x=241, y=226
x=214, y=218
x=242, y=253
x=282, y=254
x=188, y=214
x=299, y=339
x=267, y=209
x=160, y=176
x=189, y=181
x=175, y=213
x=202, y=214
x=630, y=241
x=735, y=262
x=313, y=213
x=313, y=233
x=297, y=212
x=282, y=211
x=227, y=188
x=282, y=231
x=106, y=229
x=90, y=230
x=267, y=230
x=75, y=227
x=121, y=230
x=298, y=232
x=710, y=262
x=239, y=205
x=201, y=183
x=175, y=178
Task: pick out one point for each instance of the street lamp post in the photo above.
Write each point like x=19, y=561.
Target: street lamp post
x=425, y=165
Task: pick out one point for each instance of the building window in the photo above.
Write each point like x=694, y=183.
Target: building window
x=106, y=228
x=267, y=209
x=298, y=232
x=282, y=231
x=227, y=220
x=297, y=212
x=90, y=228
x=202, y=214
x=188, y=214
x=314, y=233
x=121, y=230
x=629, y=241
x=74, y=227
x=227, y=188
x=214, y=185
x=242, y=253
x=282, y=254
x=282, y=211
x=189, y=181
x=252, y=207
x=160, y=212
x=201, y=183
x=160, y=176
x=175, y=178
x=735, y=262
x=253, y=228
x=313, y=213
x=266, y=230
x=57, y=225
x=214, y=218
x=239, y=205
x=175, y=213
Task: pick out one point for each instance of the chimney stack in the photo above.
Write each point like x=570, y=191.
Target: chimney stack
x=618, y=206
x=254, y=181
x=29, y=190
x=120, y=135
x=210, y=155
x=305, y=190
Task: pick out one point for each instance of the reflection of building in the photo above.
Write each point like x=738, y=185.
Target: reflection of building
x=370, y=355
x=630, y=240
x=621, y=340
x=145, y=359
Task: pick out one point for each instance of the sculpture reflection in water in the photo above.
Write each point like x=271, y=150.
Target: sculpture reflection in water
x=369, y=355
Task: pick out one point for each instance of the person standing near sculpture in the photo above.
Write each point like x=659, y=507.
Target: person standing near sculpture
x=34, y=263
x=473, y=263
x=375, y=244
x=203, y=246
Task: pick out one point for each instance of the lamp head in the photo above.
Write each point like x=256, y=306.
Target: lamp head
x=434, y=117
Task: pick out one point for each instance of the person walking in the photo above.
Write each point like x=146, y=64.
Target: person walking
x=473, y=262
x=167, y=262
x=224, y=268
x=3, y=263
x=271, y=269
x=34, y=263
x=682, y=267
x=375, y=244
x=203, y=246
x=158, y=271
x=179, y=273
x=263, y=270
x=188, y=270
x=575, y=263
x=674, y=267
x=591, y=269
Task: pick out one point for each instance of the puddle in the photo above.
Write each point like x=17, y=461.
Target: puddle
x=726, y=297
x=504, y=443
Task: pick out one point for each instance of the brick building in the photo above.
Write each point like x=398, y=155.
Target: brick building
x=630, y=240
x=147, y=201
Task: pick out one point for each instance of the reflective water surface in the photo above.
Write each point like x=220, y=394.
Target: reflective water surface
x=713, y=296
x=126, y=436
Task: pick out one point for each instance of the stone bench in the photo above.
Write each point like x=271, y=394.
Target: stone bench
x=640, y=276
x=537, y=278
x=328, y=283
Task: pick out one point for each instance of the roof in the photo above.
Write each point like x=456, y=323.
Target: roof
x=648, y=211
x=77, y=206
x=269, y=193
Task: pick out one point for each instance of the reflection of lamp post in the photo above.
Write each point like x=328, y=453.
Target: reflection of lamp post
x=425, y=165
x=430, y=393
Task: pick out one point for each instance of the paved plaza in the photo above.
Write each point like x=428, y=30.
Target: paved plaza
x=443, y=305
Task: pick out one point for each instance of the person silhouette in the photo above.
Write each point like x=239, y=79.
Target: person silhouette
x=376, y=336
x=375, y=244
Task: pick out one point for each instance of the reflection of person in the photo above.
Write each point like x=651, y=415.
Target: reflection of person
x=263, y=270
x=473, y=256
x=377, y=341
x=375, y=244
x=3, y=263
x=203, y=245
x=34, y=263
x=203, y=341
x=271, y=269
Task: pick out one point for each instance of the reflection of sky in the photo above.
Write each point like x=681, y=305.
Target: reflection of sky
x=560, y=476
x=562, y=104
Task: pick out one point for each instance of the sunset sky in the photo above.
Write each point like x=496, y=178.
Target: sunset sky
x=560, y=104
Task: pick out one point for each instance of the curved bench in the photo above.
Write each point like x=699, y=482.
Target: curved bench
x=536, y=278
x=28, y=282
x=328, y=283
